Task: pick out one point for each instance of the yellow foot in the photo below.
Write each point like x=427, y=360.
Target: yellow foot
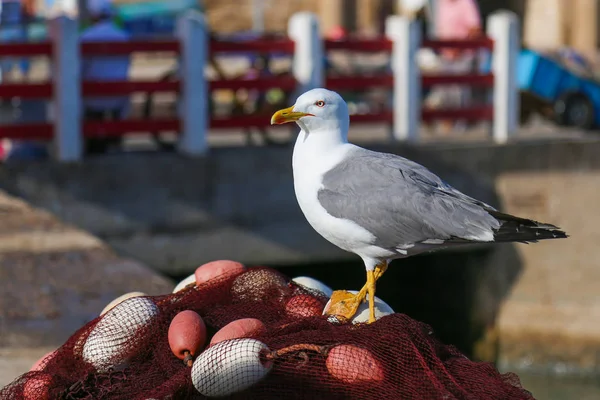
x=345, y=304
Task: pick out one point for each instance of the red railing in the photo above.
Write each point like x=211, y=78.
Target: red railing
x=341, y=83
x=27, y=131
x=116, y=128
x=471, y=113
x=475, y=43
x=26, y=49
x=387, y=79
x=361, y=82
x=26, y=90
x=286, y=83
x=482, y=80
x=33, y=131
x=257, y=46
x=93, y=128
x=129, y=47
x=360, y=45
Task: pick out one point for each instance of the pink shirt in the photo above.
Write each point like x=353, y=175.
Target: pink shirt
x=456, y=18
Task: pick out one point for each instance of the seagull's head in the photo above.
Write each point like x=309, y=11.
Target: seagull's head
x=316, y=110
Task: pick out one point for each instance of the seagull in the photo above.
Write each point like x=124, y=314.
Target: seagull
x=382, y=206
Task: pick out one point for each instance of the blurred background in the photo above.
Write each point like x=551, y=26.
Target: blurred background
x=136, y=213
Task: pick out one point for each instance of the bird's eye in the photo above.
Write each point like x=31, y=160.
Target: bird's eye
x=320, y=103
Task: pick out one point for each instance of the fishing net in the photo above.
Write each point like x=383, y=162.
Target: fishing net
x=125, y=354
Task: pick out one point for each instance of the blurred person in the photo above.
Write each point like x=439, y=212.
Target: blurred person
x=104, y=68
x=337, y=33
x=455, y=20
x=15, y=17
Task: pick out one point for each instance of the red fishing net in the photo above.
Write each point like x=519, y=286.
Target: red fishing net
x=126, y=354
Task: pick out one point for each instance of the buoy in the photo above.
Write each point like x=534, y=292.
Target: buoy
x=353, y=364
x=120, y=299
x=313, y=284
x=303, y=306
x=184, y=283
x=37, y=386
x=238, y=329
x=187, y=335
x=230, y=367
x=117, y=330
x=217, y=269
x=258, y=284
x=43, y=360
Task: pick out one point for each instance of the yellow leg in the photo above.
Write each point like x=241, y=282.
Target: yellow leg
x=379, y=271
x=371, y=290
x=345, y=304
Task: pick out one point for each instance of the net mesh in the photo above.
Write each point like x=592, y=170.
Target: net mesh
x=125, y=353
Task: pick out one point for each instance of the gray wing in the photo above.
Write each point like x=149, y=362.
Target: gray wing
x=401, y=202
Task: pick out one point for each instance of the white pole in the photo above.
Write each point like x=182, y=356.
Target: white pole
x=258, y=16
x=309, y=56
x=66, y=105
x=193, y=33
x=406, y=37
x=503, y=28
x=432, y=13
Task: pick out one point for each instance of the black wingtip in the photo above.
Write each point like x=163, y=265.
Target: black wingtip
x=517, y=229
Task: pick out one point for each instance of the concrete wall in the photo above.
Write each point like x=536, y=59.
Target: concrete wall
x=174, y=213
x=55, y=277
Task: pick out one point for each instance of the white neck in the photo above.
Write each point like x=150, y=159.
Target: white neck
x=316, y=150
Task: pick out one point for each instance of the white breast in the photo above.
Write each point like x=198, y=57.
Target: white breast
x=309, y=166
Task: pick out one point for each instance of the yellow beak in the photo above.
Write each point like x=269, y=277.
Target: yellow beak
x=287, y=115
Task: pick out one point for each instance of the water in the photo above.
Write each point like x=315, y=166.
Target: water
x=546, y=387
